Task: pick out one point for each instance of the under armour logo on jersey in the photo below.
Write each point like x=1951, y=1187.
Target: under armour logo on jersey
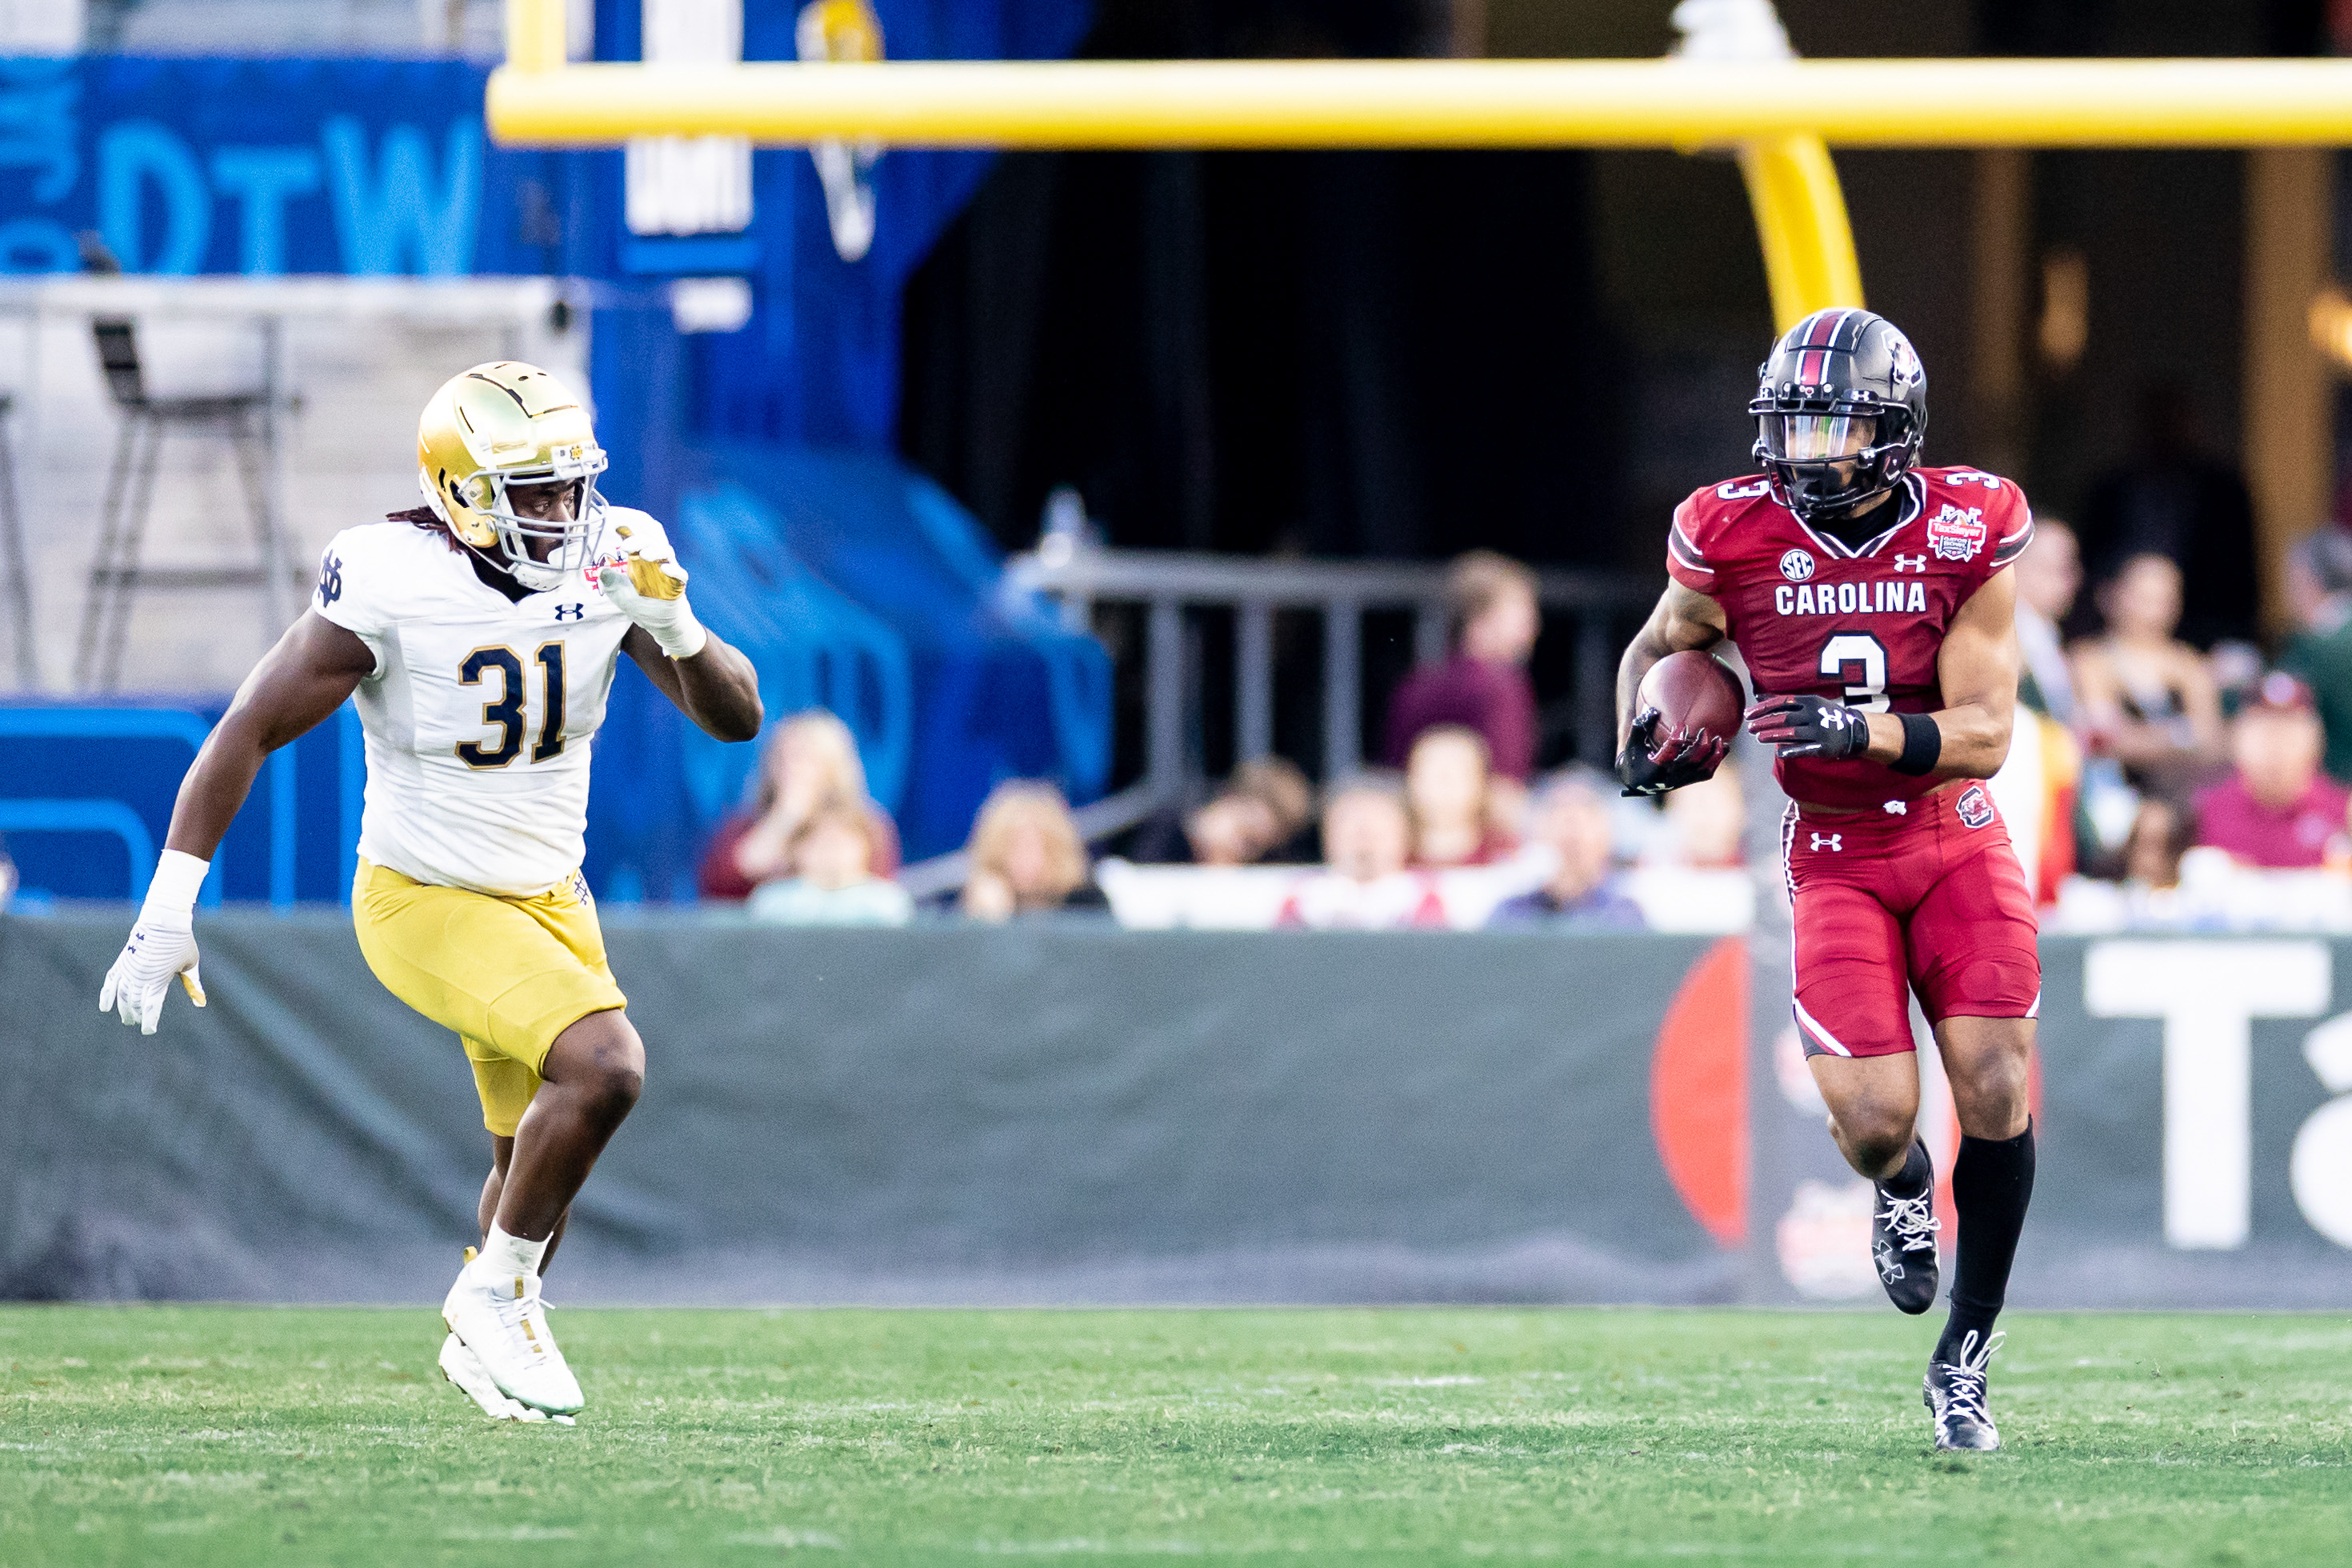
x=1910, y=562
x=1832, y=841
x=571, y=611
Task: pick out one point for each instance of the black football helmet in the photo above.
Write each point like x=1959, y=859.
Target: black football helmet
x=1842, y=389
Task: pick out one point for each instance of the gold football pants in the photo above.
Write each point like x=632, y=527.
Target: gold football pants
x=507, y=974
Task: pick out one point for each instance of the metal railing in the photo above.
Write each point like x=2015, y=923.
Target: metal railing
x=1168, y=583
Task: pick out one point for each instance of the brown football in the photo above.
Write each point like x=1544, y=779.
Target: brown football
x=1694, y=689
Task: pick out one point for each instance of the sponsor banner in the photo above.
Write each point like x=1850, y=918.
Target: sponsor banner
x=1079, y=1113
x=2193, y=1110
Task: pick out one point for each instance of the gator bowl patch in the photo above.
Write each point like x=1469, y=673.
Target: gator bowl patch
x=1957, y=533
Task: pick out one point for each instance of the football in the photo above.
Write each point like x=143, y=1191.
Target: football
x=1694, y=689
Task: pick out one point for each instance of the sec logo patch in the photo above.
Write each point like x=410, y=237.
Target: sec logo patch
x=1797, y=565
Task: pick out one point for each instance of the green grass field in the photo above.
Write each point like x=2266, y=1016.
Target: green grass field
x=257, y=1436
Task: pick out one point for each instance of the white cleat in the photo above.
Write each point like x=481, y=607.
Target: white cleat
x=503, y=1323
x=464, y=1369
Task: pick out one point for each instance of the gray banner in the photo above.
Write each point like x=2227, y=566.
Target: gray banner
x=1085, y=1114
x=1034, y=1114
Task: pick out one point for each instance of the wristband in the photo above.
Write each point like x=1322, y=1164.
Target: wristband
x=1923, y=742
x=177, y=876
x=684, y=637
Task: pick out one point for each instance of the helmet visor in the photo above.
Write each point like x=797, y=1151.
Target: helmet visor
x=1816, y=438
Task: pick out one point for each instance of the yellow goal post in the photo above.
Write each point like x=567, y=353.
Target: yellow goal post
x=1780, y=117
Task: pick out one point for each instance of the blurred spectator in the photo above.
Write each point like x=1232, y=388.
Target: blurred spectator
x=2319, y=594
x=2039, y=784
x=834, y=882
x=2159, y=837
x=1447, y=794
x=1026, y=855
x=1572, y=819
x=2049, y=576
x=811, y=758
x=1364, y=885
x=1278, y=782
x=2147, y=699
x=1705, y=823
x=2174, y=501
x=2276, y=810
x=1484, y=687
x=2150, y=897
x=1261, y=814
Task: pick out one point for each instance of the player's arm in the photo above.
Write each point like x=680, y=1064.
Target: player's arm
x=313, y=671
x=717, y=687
x=712, y=684
x=1967, y=738
x=1977, y=670
x=309, y=675
x=1681, y=619
x=1649, y=762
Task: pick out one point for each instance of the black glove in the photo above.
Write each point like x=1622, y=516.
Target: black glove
x=1653, y=764
x=1810, y=727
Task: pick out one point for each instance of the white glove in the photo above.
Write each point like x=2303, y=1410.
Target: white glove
x=162, y=944
x=651, y=588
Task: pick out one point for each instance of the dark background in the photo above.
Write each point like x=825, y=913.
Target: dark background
x=1411, y=354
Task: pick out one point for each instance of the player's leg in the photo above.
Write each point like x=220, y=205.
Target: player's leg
x=592, y=1077
x=486, y=1211
x=1989, y=1064
x=1853, y=1015
x=1980, y=978
x=511, y=977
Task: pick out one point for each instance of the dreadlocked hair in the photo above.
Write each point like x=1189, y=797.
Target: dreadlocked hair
x=425, y=518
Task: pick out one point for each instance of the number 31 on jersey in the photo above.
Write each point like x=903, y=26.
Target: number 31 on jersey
x=505, y=712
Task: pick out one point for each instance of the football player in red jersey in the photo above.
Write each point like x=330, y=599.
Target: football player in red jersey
x=1872, y=601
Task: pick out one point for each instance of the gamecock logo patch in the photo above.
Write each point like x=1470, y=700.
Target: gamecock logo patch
x=1957, y=533
x=1974, y=806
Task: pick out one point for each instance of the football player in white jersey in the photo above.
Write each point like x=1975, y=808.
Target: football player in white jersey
x=480, y=634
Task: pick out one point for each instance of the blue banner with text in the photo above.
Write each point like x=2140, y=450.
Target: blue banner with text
x=259, y=167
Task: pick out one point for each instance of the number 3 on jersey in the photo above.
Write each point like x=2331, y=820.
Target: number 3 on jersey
x=505, y=713
x=1849, y=648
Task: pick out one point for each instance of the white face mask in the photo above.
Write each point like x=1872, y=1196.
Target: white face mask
x=575, y=538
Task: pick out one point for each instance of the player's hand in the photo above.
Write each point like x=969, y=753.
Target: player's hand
x=650, y=587
x=1806, y=726
x=1652, y=762
x=162, y=944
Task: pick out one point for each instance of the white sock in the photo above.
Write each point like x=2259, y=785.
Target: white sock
x=510, y=1258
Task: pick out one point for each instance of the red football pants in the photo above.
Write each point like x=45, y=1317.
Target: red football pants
x=1932, y=899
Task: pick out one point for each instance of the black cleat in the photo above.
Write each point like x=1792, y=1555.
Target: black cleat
x=1955, y=1395
x=1903, y=1244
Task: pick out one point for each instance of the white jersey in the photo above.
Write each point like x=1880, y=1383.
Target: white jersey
x=479, y=712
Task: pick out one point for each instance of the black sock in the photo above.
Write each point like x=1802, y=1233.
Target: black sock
x=1993, y=1181
x=1912, y=1179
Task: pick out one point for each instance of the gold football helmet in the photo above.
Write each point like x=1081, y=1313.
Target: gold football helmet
x=502, y=424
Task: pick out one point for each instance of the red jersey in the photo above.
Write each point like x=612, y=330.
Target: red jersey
x=1861, y=625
